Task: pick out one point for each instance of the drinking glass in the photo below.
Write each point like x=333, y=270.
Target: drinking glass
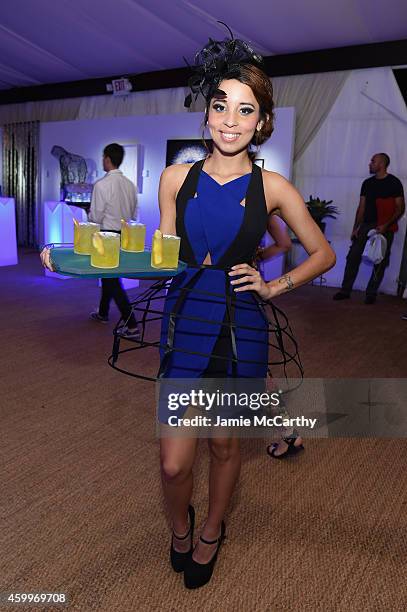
x=165, y=250
x=133, y=236
x=82, y=236
x=105, y=251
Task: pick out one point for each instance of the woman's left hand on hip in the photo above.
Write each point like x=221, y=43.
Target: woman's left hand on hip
x=252, y=278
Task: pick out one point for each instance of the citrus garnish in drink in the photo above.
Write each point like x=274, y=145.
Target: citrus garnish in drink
x=157, y=249
x=125, y=236
x=75, y=235
x=105, y=250
x=98, y=244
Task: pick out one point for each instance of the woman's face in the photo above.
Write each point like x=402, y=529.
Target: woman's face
x=233, y=120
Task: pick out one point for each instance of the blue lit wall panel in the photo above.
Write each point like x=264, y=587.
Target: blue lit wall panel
x=8, y=238
x=58, y=225
x=58, y=221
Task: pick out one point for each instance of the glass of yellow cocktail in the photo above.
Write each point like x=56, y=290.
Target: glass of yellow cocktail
x=105, y=251
x=82, y=236
x=133, y=236
x=165, y=250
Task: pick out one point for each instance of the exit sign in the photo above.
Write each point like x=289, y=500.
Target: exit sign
x=121, y=87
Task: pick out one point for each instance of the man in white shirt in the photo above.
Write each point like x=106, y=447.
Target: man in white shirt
x=113, y=199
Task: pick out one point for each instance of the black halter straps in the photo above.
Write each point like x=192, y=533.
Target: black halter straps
x=252, y=229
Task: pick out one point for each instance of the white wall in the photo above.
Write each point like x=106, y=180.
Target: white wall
x=89, y=137
x=368, y=117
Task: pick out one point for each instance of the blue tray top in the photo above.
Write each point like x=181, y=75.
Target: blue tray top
x=132, y=265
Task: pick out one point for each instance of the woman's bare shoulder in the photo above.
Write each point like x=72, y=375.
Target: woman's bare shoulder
x=274, y=183
x=173, y=177
x=175, y=172
x=273, y=179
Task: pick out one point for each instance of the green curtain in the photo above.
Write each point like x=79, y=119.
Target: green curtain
x=20, y=177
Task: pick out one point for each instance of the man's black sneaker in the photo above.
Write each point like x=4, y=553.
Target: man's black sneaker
x=131, y=333
x=95, y=316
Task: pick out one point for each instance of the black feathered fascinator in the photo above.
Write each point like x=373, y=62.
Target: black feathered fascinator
x=214, y=61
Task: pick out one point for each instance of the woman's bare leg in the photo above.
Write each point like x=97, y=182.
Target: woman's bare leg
x=177, y=459
x=223, y=475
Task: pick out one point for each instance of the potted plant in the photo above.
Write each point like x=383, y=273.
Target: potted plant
x=321, y=209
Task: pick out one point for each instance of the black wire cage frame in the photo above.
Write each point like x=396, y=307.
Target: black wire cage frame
x=147, y=310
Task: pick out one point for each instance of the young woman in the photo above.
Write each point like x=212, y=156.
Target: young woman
x=220, y=207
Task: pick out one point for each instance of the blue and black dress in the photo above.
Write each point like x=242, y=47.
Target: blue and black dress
x=209, y=330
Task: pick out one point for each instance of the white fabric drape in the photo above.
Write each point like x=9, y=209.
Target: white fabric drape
x=155, y=102
x=47, y=110
x=159, y=101
x=313, y=96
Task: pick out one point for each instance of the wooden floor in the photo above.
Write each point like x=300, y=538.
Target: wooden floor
x=81, y=505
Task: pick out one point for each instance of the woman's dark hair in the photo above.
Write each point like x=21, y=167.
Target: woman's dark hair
x=115, y=153
x=262, y=89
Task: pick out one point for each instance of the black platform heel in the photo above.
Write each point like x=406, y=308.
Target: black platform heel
x=179, y=559
x=198, y=574
x=291, y=450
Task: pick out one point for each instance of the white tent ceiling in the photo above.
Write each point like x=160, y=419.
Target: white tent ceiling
x=49, y=41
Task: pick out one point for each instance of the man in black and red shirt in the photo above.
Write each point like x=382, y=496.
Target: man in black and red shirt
x=381, y=205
